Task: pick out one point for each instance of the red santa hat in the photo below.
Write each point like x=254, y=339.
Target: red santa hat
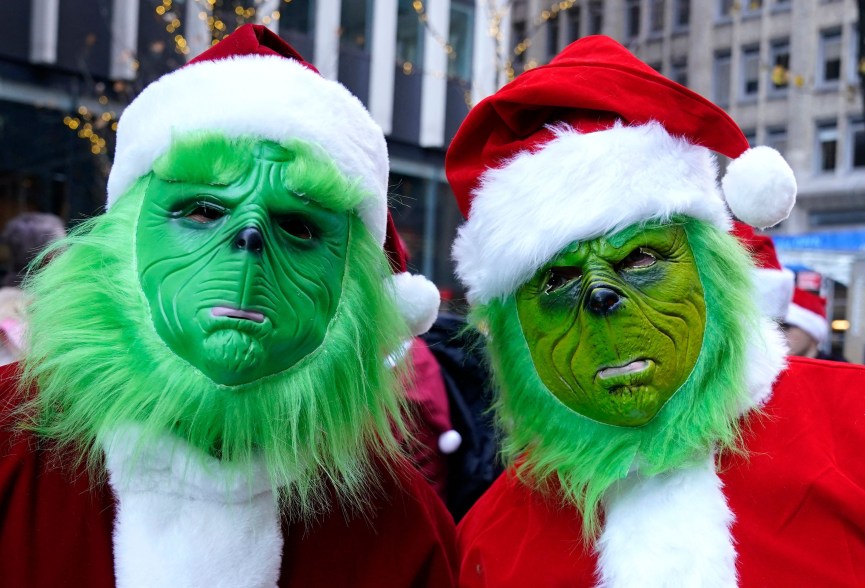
x=808, y=312
x=253, y=83
x=773, y=283
x=589, y=144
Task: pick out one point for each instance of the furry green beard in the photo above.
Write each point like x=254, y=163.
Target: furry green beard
x=98, y=364
x=548, y=441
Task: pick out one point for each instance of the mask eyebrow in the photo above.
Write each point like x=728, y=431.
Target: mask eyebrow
x=617, y=240
x=209, y=159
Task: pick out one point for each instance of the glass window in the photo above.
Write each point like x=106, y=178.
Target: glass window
x=681, y=13
x=827, y=146
x=574, y=22
x=552, y=36
x=857, y=143
x=776, y=138
x=750, y=136
x=679, y=70
x=596, y=17
x=355, y=24
x=750, y=71
x=460, y=39
x=409, y=34
x=830, y=57
x=518, y=30
x=725, y=8
x=721, y=79
x=656, y=16
x=632, y=19
x=297, y=16
x=752, y=6
x=780, y=61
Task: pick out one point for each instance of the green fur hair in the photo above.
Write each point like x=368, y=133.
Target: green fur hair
x=98, y=363
x=549, y=442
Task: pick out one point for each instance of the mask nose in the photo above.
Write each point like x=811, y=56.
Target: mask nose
x=603, y=300
x=249, y=239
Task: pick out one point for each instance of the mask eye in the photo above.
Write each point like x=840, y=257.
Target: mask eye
x=205, y=213
x=559, y=277
x=298, y=227
x=637, y=259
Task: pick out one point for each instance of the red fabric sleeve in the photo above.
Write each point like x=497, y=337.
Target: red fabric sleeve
x=404, y=539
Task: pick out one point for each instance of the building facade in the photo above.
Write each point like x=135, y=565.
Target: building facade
x=68, y=68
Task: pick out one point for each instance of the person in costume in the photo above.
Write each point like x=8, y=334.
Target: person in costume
x=653, y=434
x=213, y=406
x=806, y=326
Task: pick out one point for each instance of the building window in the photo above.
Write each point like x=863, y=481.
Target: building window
x=829, y=63
x=750, y=72
x=679, y=70
x=781, y=5
x=596, y=17
x=750, y=136
x=721, y=79
x=752, y=6
x=632, y=19
x=681, y=14
x=297, y=17
x=827, y=146
x=409, y=36
x=725, y=9
x=574, y=22
x=552, y=36
x=518, y=39
x=355, y=22
x=857, y=143
x=780, y=61
x=776, y=138
x=656, y=16
x=460, y=38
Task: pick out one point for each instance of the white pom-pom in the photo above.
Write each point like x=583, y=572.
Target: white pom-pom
x=417, y=299
x=760, y=187
x=449, y=441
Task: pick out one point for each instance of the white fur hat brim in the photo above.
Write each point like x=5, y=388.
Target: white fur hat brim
x=579, y=187
x=268, y=97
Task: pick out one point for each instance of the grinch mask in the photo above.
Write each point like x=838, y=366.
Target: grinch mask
x=656, y=271
x=242, y=272
x=615, y=325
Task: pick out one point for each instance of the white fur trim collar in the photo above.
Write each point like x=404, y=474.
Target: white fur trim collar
x=526, y=211
x=186, y=520
x=672, y=529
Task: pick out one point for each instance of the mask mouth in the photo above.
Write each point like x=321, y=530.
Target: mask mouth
x=237, y=313
x=636, y=366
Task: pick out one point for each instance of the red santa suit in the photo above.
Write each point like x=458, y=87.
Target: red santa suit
x=797, y=500
x=61, y=528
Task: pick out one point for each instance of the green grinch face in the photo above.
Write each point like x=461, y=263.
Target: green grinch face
x=615, y=325
x=241, y=270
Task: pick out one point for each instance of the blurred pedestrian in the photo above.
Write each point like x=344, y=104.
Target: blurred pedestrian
x=25, y=236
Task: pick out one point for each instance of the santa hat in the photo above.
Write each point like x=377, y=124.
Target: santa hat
x=253, y=83
x=418, y=298
x=774, y=283
x=808, y=312
x=589, y=144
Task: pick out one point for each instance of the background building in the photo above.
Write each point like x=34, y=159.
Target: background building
x=68, y=68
